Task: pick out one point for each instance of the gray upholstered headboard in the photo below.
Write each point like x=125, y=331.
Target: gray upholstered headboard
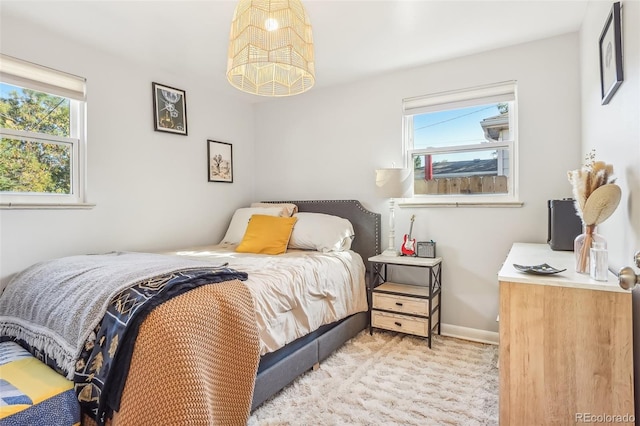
x=366, y=224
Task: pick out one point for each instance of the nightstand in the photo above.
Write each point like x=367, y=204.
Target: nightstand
x=406, y=308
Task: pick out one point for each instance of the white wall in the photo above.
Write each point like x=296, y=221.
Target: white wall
x=327, y=144
x=614, y=131
x=150, y=188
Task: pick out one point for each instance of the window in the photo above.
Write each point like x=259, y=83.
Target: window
x=462, y=145
x=42, y=116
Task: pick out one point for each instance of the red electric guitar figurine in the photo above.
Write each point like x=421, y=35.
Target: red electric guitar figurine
x=409, y=245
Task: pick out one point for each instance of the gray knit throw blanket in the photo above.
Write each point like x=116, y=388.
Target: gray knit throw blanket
x=56, y=304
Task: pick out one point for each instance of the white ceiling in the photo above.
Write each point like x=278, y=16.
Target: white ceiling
x=353, y=39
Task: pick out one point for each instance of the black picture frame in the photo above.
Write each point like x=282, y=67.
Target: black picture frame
x=220, y=161
x=169, y=109
x=610, y=46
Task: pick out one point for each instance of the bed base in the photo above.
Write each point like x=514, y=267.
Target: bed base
x=278, y=369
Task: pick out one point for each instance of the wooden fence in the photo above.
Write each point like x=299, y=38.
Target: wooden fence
x=462, y=185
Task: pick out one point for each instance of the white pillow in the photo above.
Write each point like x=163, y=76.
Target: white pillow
x=321, y=232
x=240, y=220
x=288, y=209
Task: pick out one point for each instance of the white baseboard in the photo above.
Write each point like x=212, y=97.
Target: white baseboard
x=473, y=334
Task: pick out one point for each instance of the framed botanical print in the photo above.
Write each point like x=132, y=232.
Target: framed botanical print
x=169, y=109
x=220, y=161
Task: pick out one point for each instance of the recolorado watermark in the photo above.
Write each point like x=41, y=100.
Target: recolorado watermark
x=604, y=418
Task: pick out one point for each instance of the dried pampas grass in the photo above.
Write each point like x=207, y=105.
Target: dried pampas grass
x=596, y=197
x=587, y=179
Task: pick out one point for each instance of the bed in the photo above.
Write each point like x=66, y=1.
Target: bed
x=278, y=369
x=217, y=322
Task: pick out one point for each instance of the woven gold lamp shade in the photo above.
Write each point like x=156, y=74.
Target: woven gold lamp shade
x=271, y=48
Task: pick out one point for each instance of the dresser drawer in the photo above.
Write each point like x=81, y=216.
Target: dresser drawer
x=402, y=323
x=403, y=304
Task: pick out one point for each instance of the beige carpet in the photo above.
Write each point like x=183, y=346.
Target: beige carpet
x=392, y=379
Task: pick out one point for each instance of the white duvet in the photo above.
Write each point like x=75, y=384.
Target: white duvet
x=296, y=292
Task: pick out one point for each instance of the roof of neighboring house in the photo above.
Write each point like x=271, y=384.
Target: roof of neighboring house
x=496, y=120
x=469, y=167
x=492, y=126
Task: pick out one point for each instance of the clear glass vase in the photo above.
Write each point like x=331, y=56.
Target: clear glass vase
x=582, y=245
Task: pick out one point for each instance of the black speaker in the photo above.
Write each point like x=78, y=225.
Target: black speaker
x=564, y=224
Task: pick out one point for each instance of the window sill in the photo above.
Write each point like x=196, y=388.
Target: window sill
x=413, y=202
x=46, y=206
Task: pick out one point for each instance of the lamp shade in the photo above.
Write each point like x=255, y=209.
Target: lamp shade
x=271, y=48
x=392, y=183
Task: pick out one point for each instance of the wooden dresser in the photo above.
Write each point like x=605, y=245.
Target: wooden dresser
x=566, y=344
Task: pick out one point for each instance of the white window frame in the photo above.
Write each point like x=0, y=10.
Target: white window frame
x=493, y=93
x=35, y=77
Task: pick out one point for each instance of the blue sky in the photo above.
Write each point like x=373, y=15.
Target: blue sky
x=5, y=89
x=453, y=127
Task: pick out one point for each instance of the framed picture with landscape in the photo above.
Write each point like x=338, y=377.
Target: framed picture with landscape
x=611, y=55
x=220, y=161
x=169, y=109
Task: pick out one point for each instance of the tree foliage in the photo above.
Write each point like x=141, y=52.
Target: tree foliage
x=28, y=166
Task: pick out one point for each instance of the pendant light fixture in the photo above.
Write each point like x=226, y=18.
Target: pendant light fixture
x=271, y=48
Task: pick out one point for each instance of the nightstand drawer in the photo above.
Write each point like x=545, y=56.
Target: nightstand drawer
x=403, y=304
x=402, y=323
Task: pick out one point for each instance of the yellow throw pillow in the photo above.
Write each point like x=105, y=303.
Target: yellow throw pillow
x=267, y=234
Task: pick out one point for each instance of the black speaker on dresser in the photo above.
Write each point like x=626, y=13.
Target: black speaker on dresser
x=564, y=224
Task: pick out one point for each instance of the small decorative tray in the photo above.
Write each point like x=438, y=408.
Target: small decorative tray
x=543, y=269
